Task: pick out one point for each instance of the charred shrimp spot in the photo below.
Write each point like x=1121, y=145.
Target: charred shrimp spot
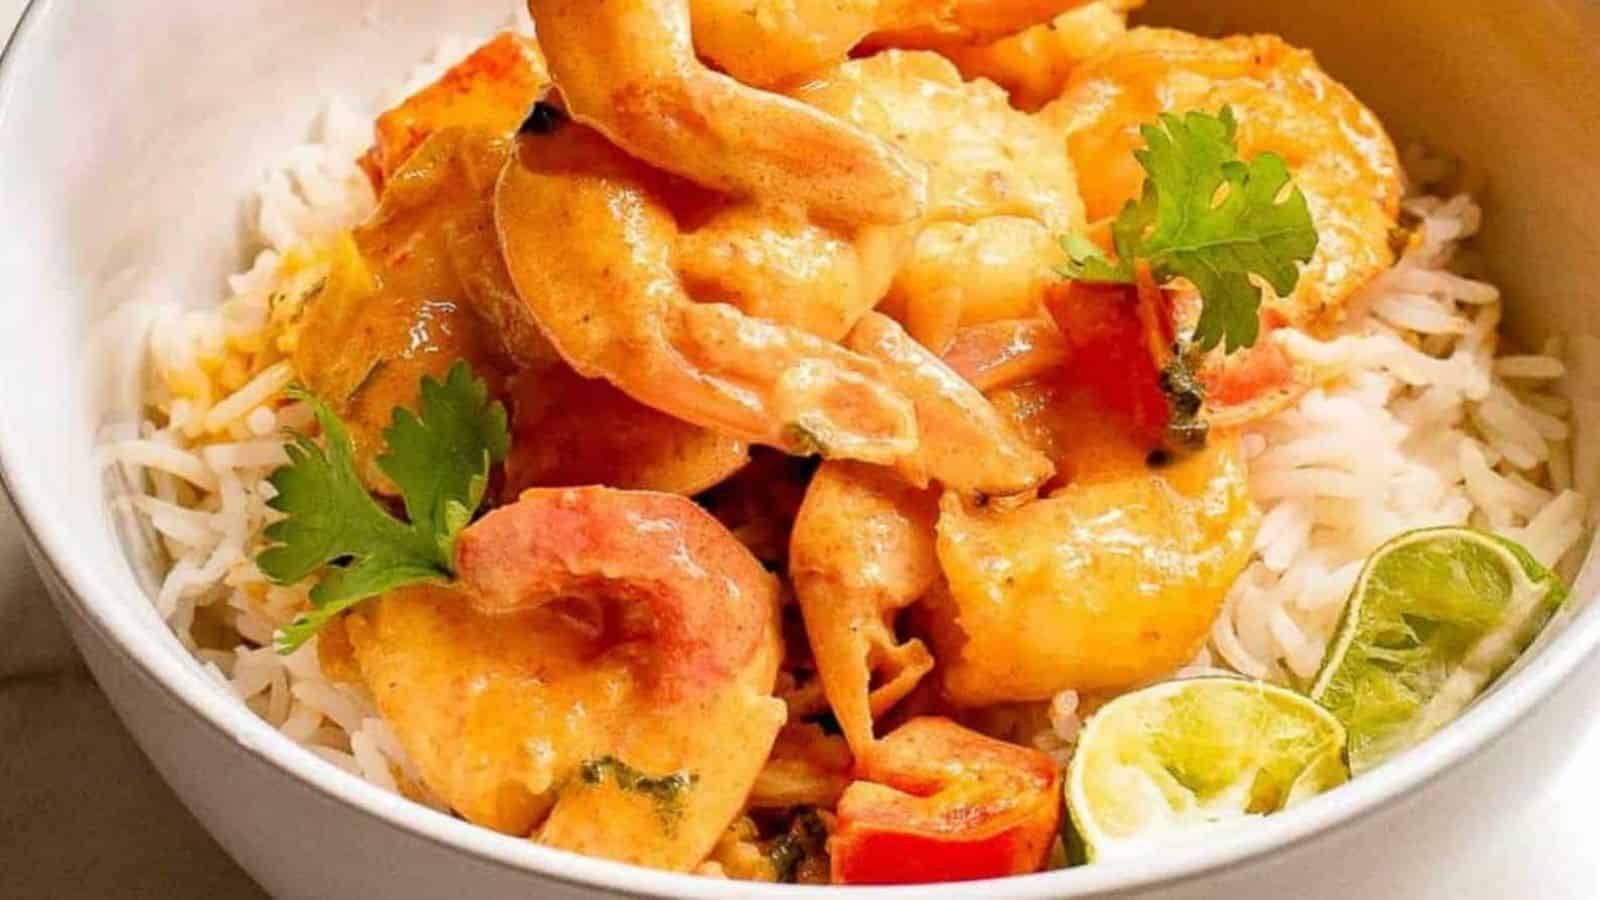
x=1187, y=429
x=544, y=119
x=1185, y=393
x=829, y=723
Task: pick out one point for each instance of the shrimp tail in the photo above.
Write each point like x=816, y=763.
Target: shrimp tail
x=863, y=550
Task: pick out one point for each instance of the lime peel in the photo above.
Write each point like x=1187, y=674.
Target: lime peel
x=1434, y=618
x=1182, y=760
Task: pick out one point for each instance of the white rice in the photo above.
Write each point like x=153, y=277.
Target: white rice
x=1421, y=423
x=204, y=456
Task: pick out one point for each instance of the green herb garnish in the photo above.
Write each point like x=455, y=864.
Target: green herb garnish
x=667, y=791
x=439, y=459
x=807, y=837
x=1209, y=217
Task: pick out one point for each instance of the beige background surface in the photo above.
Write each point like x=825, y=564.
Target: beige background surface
x=83, y=815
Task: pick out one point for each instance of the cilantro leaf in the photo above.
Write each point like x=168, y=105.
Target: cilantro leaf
x=439, y=458
x=1087, y=262
x=1209, y=217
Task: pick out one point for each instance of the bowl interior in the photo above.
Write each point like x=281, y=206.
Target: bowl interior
x=133, y=130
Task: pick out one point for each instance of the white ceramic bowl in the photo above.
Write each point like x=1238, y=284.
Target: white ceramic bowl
x=132, y=129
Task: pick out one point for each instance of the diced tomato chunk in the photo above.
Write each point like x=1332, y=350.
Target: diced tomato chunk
x=941, y=803
x=1109, y=354
x=492, y=89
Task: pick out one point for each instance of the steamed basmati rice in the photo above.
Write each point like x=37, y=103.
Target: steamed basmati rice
x=1420, y=424
x=215, y=434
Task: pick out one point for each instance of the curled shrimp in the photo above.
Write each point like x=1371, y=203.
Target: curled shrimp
x=1339, y=154
x=862, y=550
x=591, y=242
x=599, y=679
x=628, y=68
x=1001, y=189
x=1109, y=582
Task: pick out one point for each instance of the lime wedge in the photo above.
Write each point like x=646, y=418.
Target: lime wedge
x=1435, y=617
x=1186, y=758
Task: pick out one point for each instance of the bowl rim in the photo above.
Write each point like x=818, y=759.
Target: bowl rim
x=106, y=613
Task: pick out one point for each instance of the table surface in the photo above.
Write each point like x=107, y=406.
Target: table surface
x=82, y=814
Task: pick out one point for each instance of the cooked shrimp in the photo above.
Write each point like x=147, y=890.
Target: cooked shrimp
x=417, y=287
x=983, y=158
x=1110, y=582
x=628, y=68
x=1033, y=65
x=808, y=767
x=962, y=275
x=590, y=244
x=433, y=237
x=773, y=264
x=1001, y=189
x=863, y=550
x=571, y=431
x=600, y=680
x=1339, y=154
x=771, y=43
x=999, y=354
x=962, y=442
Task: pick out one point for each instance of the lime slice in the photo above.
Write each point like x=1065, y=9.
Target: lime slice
x=1435, y=617
x=1187, y=758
